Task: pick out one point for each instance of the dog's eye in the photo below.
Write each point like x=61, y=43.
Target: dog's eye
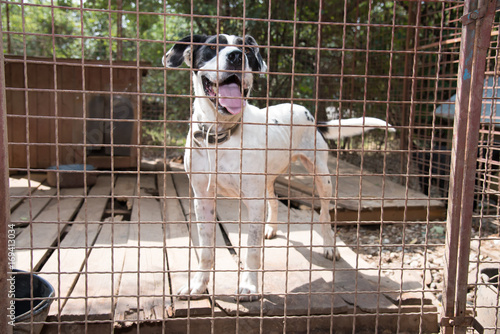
x=213, y=47
x=247, y=50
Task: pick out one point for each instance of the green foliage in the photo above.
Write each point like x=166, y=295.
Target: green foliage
x=139, y=29
x=298, y=42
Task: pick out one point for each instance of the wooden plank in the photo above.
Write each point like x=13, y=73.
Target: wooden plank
x=145, y=269
x=93, y=295
x=392, y=189
x=105, y=263
x=31, y=109
x=66, y=132
x=349, y=180
x=290, y=191
x=154, y=285
x=31, y=207
x=182, y=259
x=223, y=287
x=71, y=131
x=282, y=284
x=94, y=204
x=308, y=282
x=16, y=105
x=353, y=274
x=65, y=265
x=45, y=230
x=64, y=208
x=375, y=193
x=306, y=285
x=125, y=189
x=21, y=187
x=182, y=263
x=45, y=106
x=147, y=183
x=70, y=257
x=394, y=214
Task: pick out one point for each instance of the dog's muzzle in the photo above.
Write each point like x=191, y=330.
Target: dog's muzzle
x=230, y=93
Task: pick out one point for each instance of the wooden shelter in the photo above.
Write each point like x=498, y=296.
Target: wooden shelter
x=49, y=112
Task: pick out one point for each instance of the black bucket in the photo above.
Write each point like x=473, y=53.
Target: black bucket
x=31, y=310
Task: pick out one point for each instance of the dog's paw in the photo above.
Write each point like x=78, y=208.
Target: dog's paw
x=329, y=252
x=194, y=290
x=247, y=293
x=270, y=231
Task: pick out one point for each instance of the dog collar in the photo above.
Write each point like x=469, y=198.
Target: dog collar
x=218, y=137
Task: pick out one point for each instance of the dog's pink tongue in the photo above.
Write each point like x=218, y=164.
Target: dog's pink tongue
x=230, y=98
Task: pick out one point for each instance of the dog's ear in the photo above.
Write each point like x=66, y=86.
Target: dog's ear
x=260, y=64
x=183, y=51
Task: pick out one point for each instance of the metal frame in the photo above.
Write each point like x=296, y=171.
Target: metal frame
x=476, y=31
x=477, y=23
x=5, y=264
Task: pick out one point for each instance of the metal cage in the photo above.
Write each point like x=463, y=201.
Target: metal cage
x=99, y=225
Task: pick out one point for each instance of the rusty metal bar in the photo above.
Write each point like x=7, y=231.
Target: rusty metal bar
x=483, y=33
x=5, y=319
x=475, y=42
x=456, y=172
x=418, y=77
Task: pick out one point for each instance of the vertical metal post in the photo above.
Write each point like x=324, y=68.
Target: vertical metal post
x=5, y=327
x=483, y=36
x=476, y=32
x=457, y=168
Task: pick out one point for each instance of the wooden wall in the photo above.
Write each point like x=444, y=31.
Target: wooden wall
x=45, y=107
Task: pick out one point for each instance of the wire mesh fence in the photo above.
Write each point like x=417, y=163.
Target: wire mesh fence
x=148, y=144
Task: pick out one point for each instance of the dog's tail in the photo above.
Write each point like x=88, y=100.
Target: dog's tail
x=351, y=127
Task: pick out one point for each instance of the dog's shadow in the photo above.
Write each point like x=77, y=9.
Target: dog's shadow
x=313, y=254
x=317, y=296
x=315, y=284
x=296, y=278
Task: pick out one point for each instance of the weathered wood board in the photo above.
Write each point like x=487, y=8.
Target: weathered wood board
x=125, y=189
x=144, y=290
x=43, y=233
x=360, y=195
x=119, y=272
x=29, y=209
x=296, y=272
x=20, y=187
x=185, y=257
x=95, y=202
x=93, y=294
x=69, y=258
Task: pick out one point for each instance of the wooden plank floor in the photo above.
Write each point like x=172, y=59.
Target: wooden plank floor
x=118, y=252
x=379, y=197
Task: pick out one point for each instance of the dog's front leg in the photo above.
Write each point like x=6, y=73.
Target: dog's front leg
x=248, y=288
x=205, y=214
x=272, y=212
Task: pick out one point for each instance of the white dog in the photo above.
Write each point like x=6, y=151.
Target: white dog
x=235, y=149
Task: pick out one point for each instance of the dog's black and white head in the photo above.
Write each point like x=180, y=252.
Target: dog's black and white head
x=223, y=66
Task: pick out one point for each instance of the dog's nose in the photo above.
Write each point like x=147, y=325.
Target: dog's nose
x=235, y=58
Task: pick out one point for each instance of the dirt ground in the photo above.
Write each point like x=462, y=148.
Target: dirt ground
x=420, y=245
x=417, y=244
